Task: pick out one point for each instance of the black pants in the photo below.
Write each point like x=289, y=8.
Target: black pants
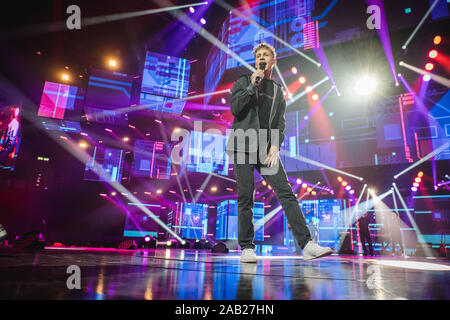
x=280, y=185
x=363, y=237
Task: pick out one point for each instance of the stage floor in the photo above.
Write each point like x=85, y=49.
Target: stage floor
x=200, y=275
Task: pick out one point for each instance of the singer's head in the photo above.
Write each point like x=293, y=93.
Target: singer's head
x=265, y=53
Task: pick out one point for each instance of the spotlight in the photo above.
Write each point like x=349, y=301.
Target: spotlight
x=147, y=238
x=126, y=139
x=315, y=97
x=202, y=21
x=264, y=182
x=365, y=86
x=309, y=189
x=331, y=114
x=294, y=70
x=314, y=193
x=420, y=174
x=65, y=77
x=433, y=54
x=112, y=63
x=224, y=101
x=83, y=145
x=413, y=189
x=191, y=9
x=340, y=179
x=168, y=243
x=429, y=66
x=159, y=191
x=344, y=183
x=302, y=80
x=308, y=89
x=415, y=184
x=214, y=189
x=299, y=181
x=426, y=78
x=437, y=40
x=418, y=180
x=304, y=186
x=351, y=191
x=348, y=187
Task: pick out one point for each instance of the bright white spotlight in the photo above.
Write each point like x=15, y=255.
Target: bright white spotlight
x=426, y=78
x=365, y=86
x=202, y=21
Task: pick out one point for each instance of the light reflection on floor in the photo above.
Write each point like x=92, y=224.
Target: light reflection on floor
x=175, y=274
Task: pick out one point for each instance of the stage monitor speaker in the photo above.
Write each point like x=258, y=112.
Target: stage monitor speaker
x=345, y=247
x=127, y=244
x=32, y=240
x=219, y=247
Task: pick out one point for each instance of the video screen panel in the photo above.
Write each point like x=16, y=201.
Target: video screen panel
x=191, y=220
x=151, y=159
x=61, y=101
x=207, y=153
x=165, y=76
x=227, y=220
x=108, y=96
x=138, y=223
x=106, y=165
x=357, y=139
x=10, y=136
x=328, y=217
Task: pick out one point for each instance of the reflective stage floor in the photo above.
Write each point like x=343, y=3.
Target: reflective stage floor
x=178, y=274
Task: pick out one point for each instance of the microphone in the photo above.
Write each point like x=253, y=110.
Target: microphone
x=262, y=66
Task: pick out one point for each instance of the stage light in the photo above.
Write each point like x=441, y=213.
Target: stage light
x=159, y=191
x=429, y=66
x=269, y=187
x=302, y=80
x=314, y=193
x=113, y=193
x=309, y=189
x=418, y=180
x=413, y=189
x=420, y=174
x=304, y=186
x=299, y=181
x=224, y=101
x=415, y=184
x=308, y=89
x=315, y=97
x=202, y=21
x=147, y=238
x=351, y=191
x=365, y=86
x=433, y=54
x=65, y=77
x=112, y=63
x=168, y=243
x=305, y=117
x=340, y=179
x=294, y=70
x=214, y=189
x=264, y=182
x=191, y=9
x=126, y=139
x=83, y=145
x=426, y=78
x=332, y=138
x=344, y=183
x=331, y=114
x=437, y=40
x=348, y=187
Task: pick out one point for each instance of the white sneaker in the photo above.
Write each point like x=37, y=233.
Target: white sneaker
x=3, y=233
x=248, y=255
x=312, y=251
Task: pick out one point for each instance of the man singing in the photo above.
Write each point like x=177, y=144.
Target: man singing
x=258, y=107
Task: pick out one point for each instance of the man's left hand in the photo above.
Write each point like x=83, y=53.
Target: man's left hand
x=272, y=156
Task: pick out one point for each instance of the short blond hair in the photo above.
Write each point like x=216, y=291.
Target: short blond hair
x=267, y=46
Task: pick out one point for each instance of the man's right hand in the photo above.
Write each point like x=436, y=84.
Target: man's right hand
x=257, y=73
